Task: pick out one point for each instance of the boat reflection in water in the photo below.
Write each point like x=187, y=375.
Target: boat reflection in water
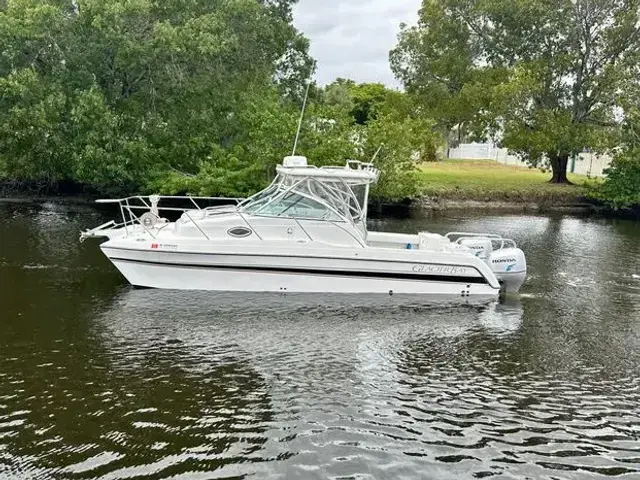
x=297, y=338
x=320, y=369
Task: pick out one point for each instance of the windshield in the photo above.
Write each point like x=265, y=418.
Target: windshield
x=291, y=204
x=306, y=198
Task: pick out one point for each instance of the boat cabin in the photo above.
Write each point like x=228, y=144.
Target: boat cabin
x=304, y=203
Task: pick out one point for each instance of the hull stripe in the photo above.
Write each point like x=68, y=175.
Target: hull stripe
x=306, y=271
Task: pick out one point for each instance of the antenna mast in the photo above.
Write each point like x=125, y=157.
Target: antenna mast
x=304, y=106
x=377, y=152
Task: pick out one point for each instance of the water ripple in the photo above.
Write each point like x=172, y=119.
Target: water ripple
x=99, y=381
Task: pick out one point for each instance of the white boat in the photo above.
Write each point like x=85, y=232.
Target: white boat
x=305, y=233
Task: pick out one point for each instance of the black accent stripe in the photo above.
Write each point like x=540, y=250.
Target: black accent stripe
x=334, y=273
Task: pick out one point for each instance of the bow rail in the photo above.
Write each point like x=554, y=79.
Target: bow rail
x=151, y=207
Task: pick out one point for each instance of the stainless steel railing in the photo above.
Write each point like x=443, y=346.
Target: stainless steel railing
x=130, y=208
x=504, y=242
x=152, y=204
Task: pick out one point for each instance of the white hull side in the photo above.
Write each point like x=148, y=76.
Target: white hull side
x=178, y=277
x=387, y=262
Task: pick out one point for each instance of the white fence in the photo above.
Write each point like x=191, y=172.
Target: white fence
x=586, y=164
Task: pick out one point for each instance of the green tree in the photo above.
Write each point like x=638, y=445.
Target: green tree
x=370, y=118
x=200, y=97
x=32, y=130
x=266, y=132
x=368, y=99
x=338, y=95
x=364, y=100
x=404, y=142
x=435, y=63
x=544, y=77
x=120, y=93
x=621, y=187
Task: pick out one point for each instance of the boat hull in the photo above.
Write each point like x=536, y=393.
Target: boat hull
x=278, y=274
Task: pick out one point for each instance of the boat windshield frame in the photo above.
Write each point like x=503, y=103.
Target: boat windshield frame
x=332, y=193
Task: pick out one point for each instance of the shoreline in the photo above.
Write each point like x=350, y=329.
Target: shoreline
x=445, y=204
x=39, y=199
x=425, y=204
x=574, y=207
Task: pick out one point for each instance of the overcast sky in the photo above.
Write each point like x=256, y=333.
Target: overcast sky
x=352, y=38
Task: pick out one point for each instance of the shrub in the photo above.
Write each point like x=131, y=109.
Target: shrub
x=621, y=188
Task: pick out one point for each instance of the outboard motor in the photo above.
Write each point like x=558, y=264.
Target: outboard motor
x=510, y=268
x=481, y=247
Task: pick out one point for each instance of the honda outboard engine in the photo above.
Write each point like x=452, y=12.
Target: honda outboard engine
x=481, y=247
x=507, y=262
x=510, y=268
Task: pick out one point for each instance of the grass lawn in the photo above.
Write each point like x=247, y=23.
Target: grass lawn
x=487, y=180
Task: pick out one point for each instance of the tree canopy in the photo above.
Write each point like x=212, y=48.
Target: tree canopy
x=395, y=134
x=388, y=123
x=173, y=97
x=114, y=92
x=545, y=77
x=203, y=97
x=621, y=187
x=364, y=100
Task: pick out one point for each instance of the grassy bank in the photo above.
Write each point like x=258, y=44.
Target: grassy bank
x=488, y=181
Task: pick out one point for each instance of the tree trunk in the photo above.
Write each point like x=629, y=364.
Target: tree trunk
x=559, y=167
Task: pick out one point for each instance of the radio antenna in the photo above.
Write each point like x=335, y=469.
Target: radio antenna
x=375, y=155
x=304, y=106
